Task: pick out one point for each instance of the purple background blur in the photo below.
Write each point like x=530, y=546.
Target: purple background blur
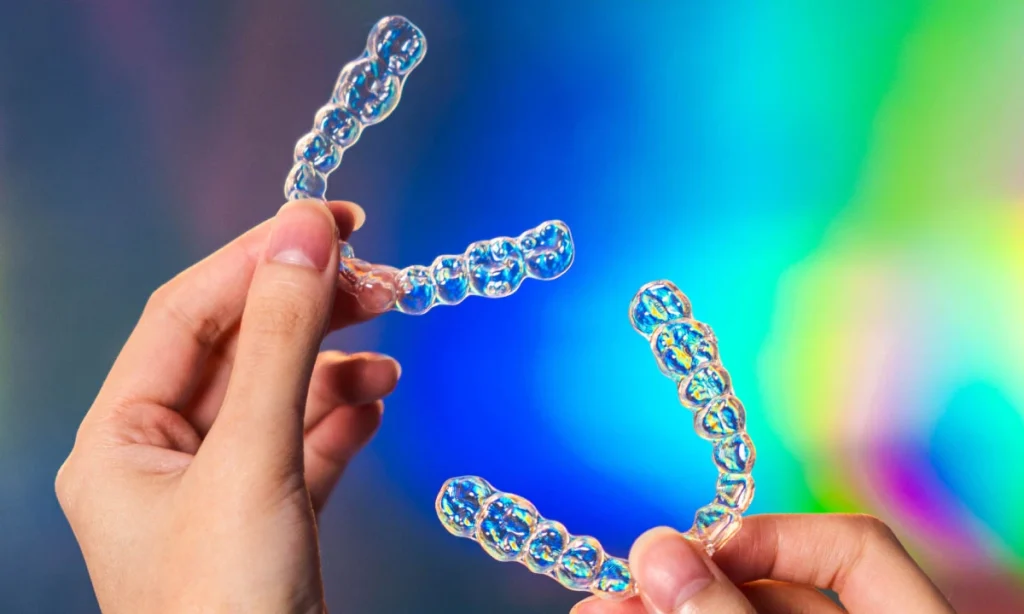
x=803, y=172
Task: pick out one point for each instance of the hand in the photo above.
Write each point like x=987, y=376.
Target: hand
x=773, y=565
x=219, y=433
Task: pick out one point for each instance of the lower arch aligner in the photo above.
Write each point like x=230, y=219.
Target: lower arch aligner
x=510, y=528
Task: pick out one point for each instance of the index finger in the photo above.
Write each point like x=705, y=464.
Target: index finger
x=857, y=556
x=188, y=315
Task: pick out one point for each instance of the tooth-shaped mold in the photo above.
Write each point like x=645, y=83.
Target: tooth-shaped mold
x=366, y=93
x=548, y=250
x=459, y=503
x=505, y=525
x=509, y=527
x=496, y=267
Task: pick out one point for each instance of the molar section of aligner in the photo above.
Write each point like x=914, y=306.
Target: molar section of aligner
x=368, y=89
x=451, y=276
x=459, y=503
x=496, y=267
x=319, y=151
x=706, y=383
x=579, y=564
x=505, y=525
x=680, y=346
x=721, y=417
x=509, y=528
x=339, y=125
x=657, y=303
x=614, y=580
x=545, y=546
x=548, y=250
x=366, y=92
x=416, y=290
x=398, y=43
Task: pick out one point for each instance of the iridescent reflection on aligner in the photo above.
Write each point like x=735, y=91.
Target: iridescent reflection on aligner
x=509, y=527
x=366, y=93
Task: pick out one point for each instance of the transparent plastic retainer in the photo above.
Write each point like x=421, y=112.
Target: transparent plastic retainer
x=507, y=526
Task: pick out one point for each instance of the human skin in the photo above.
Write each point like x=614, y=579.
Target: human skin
x=197, y=474
x=775, y=565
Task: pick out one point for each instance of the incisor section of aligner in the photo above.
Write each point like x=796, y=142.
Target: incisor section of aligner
x=509, y=528
x=493, y=269
x=366, y=92
x=687, y=352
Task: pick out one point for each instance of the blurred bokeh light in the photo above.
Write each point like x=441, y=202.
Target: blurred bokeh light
x=839, y=188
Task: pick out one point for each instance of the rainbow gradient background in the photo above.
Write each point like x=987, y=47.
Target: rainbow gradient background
x=838, y=187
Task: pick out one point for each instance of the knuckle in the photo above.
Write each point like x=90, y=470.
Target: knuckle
x=166, y=302
x=157, y=299
x=63, y=485
x=875, y=529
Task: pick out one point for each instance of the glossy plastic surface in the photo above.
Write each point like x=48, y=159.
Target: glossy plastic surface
x=509, y=527
x=367, y=91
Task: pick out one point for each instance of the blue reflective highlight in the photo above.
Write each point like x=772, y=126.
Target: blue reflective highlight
x=707, y=382
x=304, y=182
x=505, y=525
x=579, y=563
x=451, y=276
x=318, y=151
x=416, y=290
x=681, y=346
x=545, y=546
x=548, y=250
x=734, y=453
x=614, y=577
x=496, y=267
x=368, y=90
x=657, y=303
x=459, y=503
x=338, y=124
x=398, y=43
x=723, y=416
x=735, y=490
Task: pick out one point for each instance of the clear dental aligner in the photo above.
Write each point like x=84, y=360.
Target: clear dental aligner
x=492, y=269
x=367, y=91
x=509, y=527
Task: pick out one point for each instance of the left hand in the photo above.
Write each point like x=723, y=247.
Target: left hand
x=221, y=429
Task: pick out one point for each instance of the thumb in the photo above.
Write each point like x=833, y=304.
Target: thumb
x=674, y=575
x=260, y=425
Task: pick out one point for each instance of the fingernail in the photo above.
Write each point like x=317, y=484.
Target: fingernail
x=376, y=358
x=359, y=214
x=668, y=568
x=586, y=606
x=303, y=235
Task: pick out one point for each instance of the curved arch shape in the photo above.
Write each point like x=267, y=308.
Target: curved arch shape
x=509, y=527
